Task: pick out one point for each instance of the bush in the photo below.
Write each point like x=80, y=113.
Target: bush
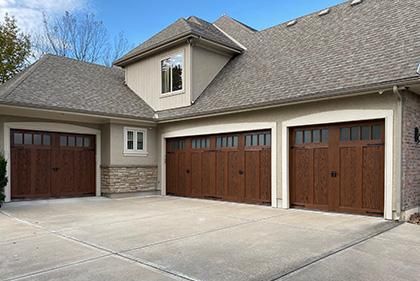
x=3, y=178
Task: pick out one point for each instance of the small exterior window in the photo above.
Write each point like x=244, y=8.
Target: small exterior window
x=172, y=74
x=135, y=140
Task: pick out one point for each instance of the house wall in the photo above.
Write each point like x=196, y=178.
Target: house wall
x=119, y=173
x=130, y=173
x=144, y=78
x=411, y=155
x=206, y=64
x=386, y=101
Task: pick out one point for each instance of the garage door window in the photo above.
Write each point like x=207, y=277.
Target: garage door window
x=135, y=141
x=31, y=138
x=364, y=133
x=258, y=139
x=201, y=143
x=227, y=141
x=311, y=136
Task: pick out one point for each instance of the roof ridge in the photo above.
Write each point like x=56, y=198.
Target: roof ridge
x=240, y=23
x=297, y=19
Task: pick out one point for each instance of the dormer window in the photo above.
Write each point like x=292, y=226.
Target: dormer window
x=172, y=73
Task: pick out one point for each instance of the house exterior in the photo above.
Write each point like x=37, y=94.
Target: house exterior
x=317, y=113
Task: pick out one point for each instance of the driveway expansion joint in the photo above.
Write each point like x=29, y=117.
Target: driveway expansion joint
x=334, y=252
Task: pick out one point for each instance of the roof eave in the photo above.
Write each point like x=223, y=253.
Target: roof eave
x=75, y=111
x=350, y=92
x=124, y=61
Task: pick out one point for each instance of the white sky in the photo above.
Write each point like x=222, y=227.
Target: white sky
x=29, y=12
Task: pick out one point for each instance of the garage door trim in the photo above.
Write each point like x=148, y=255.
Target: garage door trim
x=222, y=129
x=338, y=116
x=50, y=127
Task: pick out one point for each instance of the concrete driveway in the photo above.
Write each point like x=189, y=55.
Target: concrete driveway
x=168, y=238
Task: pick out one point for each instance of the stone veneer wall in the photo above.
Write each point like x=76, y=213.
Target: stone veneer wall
x=120, y=179
x=410, y=191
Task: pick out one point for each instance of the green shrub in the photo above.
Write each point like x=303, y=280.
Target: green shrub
x=3, y=178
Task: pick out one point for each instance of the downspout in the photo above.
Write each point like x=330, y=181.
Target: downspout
x=396, y=212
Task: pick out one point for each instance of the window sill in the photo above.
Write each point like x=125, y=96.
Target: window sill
x=167, y=95
x=135, y=154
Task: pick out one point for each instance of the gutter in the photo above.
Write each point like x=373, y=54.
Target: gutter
x=396, y=90
x=80, y=113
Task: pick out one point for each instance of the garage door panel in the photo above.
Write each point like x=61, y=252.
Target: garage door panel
x=338, y=167
x=218, y=165
x=21, y=182
x=373, y=182
x=209, y=174
x=221, y=172
x=40, y=176
x=303, y=176
x=252, y=175
x=235, y=187
x=46, y=164
x=171, y=172
x=63, y=173
x=321, y=176
x=84, y=176
x=350, y=177
x=196, y=174
x=184, y=172
x=265, y=175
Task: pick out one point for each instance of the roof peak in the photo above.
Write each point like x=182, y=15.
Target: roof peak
x=226, y=16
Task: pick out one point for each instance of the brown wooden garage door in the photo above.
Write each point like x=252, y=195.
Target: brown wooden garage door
x=338, y=167
x=46, y=164
x=232, y=167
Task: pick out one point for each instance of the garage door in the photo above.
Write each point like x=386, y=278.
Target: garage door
x=233, y=167
x=46, y=164
x=338, y=167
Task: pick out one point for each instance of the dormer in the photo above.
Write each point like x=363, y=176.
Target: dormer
x=174, y=67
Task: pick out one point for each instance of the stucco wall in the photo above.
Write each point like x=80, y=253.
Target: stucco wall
x=117, y=157
x=144, y=78
x=386, y=101
x=410, y=190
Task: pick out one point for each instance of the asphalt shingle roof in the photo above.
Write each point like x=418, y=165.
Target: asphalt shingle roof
x=371, y=43
x=64, y=84
x=182, y=27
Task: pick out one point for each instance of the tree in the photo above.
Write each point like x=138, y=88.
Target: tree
x=15, y=49
x=119, y=47
x=81, y=37
x=3, y=178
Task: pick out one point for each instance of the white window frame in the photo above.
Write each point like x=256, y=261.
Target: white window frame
x=183, y=75
x=135, y=151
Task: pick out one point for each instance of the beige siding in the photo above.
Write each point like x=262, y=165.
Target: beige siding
x=384, y=102
x=206, y=65
x=118, y=158
x=105, y=144
x=144, y=78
